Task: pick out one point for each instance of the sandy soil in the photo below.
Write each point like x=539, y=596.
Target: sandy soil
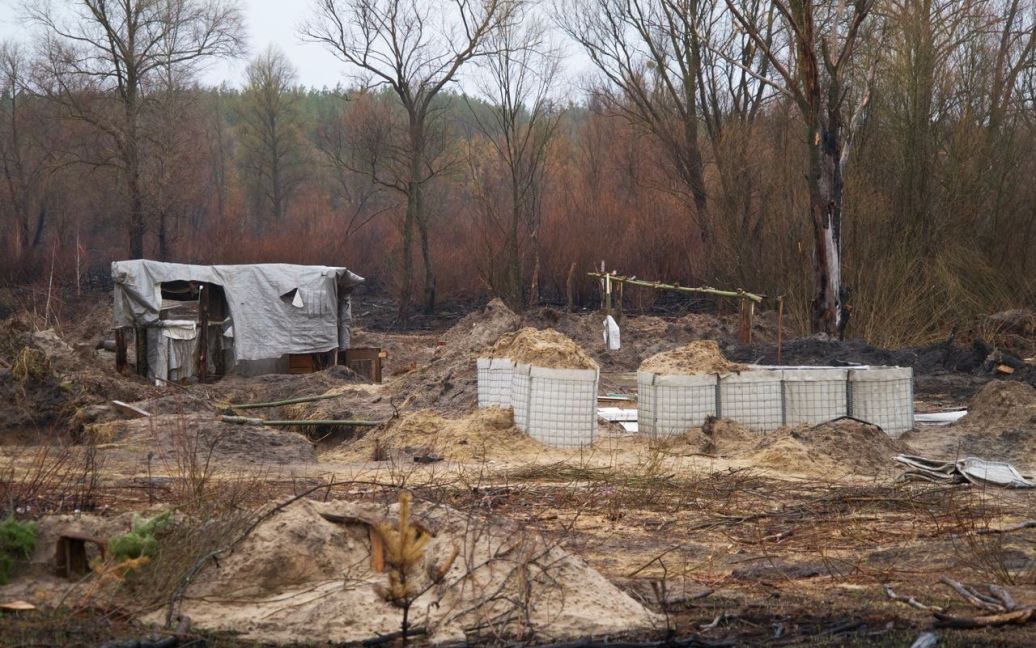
x=542, y=348
x=695, y=358
x=720, y=533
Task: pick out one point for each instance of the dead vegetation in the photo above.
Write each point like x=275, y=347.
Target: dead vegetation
x=720, y=536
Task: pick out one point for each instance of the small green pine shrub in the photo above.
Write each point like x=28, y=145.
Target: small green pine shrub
x=17, y=541
x=141, y=541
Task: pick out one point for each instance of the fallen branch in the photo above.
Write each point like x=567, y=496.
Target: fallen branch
x=1028, y=524
x=280, y=403
x=247, y=420
x=1017, y=617
x=909, y=600
x=980, y=601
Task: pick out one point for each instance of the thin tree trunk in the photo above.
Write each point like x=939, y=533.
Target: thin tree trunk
x=828, y=313
x=429, y=271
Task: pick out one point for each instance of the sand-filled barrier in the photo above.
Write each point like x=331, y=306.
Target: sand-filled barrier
x=552, y=388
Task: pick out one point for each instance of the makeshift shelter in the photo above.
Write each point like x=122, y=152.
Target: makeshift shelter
x=211, y=320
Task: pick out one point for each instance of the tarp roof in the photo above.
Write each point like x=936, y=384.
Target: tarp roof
x=277, y=308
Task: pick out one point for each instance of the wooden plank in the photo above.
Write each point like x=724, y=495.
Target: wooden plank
x=377, y=549
x=130, y=410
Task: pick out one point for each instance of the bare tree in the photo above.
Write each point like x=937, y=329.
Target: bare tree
x=96, y=52
x=271, y=132
x=416, y=49
x=355, y=193
x=521, y=123
x=823, y=39
x=650, y=53
x=26, y=155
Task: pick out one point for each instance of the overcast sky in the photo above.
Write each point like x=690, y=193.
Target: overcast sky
x=268, y=21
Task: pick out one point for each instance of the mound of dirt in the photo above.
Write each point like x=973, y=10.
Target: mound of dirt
x=542, y=348
x=300, y=578
x=486, y=433
x=350, y=402
x=168, y=437
x=721, y=437
x=695, y=358
x=1000, y=426
x=448, y=382
x=277, y=387
x=646, y=335
x=44, y=382
x=842, y=446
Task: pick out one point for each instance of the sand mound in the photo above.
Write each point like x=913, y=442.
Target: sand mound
x=698, y=357
x=299, y=578
x=169, y=436
x=448, y=382
x=484, y=434
x=843, y=445
x=543, y=348
x=1000, y=426
x=722, y=437
x=275, y=387
x=1001, y=403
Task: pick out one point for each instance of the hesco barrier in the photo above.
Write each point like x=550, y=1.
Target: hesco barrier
x=668, y=405
x=753, y=399
x=883, y=396
x=494, y=382
x=557, y=407
x=767, y=398
x=812, y=396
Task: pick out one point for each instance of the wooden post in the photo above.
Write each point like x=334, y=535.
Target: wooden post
x=570, y=288
x=140, y=335
x=618, y=302
x=120, y=350
x=780, y=326
x=203, y=334
x=744, y=333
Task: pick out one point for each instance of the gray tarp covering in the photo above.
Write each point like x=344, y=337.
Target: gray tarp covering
x=276, y=308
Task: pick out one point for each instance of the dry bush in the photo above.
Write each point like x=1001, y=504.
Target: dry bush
x=49, y=478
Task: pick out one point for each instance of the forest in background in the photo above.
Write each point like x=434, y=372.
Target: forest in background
x=684, y=165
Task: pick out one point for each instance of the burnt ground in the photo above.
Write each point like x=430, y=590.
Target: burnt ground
x=729, y=552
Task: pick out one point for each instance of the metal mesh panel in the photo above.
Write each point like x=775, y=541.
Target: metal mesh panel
x=752, y=398
x=562, y=406
x=813, y=396
x=494, y=382
x=646, y=403
x=520, y=395
x=883, y=396
x=669, y=405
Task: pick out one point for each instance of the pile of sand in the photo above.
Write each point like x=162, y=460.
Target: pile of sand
x=169, y=437
x=349, y=402
x=448, y=382
x=486, y=433
x=277, y=387
x=721, y=437
x=542, y=348
x=842, y=446
x=299, y=578
x=1000, y=426
x=698, y=357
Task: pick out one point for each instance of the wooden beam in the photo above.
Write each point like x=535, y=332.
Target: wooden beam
x=703, y=290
